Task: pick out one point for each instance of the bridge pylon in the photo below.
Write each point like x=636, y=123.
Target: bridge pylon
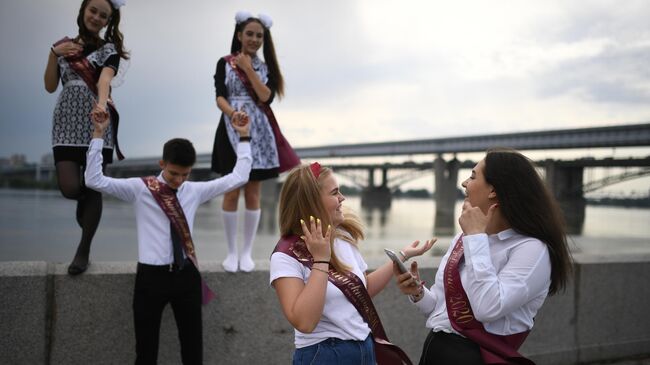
x=446, y=178
x=566, y=184
x=376, y=196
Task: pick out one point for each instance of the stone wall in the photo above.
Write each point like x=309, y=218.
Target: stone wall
x=48, y=317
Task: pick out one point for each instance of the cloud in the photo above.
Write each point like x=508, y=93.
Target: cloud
x=357, y=71
x=618, y=74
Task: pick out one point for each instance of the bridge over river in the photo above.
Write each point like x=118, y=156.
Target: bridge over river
x=565, y=178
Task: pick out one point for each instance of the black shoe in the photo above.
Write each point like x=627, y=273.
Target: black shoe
x=74, y=269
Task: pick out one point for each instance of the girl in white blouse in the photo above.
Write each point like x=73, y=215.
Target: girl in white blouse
x=511, y=253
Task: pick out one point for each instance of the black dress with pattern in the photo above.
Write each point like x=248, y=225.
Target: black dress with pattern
x=263, y=149
x=72, y=128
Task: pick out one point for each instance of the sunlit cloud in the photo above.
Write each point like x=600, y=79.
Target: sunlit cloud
x=360, y=71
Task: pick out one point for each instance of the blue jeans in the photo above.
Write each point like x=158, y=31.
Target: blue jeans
x=334, y=351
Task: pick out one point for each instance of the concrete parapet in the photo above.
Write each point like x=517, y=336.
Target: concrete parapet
x=24, y=312
x=49, y=317
x=612, y=310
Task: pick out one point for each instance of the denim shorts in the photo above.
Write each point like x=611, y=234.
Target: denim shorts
x=334, y=351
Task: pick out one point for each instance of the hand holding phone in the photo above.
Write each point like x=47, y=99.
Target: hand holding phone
x=400, y=265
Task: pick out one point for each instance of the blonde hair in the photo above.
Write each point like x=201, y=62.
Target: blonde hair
x=300, y=198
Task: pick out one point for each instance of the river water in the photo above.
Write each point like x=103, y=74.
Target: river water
x=39, y=226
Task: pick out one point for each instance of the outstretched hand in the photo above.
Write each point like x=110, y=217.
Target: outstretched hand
x=413, y=250
x=473, y=221
x=317, y=243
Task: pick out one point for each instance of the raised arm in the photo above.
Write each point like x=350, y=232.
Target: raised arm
x=124, y=189
x=525, y=275
x=51, y=77
x=302, y=303
x=239, y=175
x=103, y=91
x=263, y=92
x=494, y=294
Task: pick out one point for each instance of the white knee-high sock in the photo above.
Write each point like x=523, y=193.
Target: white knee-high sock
x=230, y=228
x=251, y=221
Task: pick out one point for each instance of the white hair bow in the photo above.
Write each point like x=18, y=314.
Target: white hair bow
x=242, y=16
x=118, y=3
x=266, y=20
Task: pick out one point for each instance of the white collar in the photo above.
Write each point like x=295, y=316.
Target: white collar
x=505, y=234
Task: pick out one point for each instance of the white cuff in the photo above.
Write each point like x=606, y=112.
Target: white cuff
x=96, y=143
x=477, y=249
x=427, y=303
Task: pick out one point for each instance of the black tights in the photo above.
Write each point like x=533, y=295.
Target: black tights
x=89, y=204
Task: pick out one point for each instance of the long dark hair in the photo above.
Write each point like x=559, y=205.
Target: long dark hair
x=112, y=34
x=269, y=53
x=527, y=204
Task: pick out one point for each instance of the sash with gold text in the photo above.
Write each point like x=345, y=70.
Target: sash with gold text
x=495, y=349
x=286, y=155
x=86, y=71
x=170, y=205
x=354, y=290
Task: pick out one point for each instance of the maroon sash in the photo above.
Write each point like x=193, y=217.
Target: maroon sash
x=354, y=290
x=286, y=155
x=495, y=349
x=170, y=205
x=86, y=71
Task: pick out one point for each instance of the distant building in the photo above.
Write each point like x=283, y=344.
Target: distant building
x=47, y=160
x=17, y=160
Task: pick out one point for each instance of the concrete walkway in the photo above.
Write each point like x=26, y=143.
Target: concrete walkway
x=635, y=361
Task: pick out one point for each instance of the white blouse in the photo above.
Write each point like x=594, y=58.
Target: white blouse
x=506, y=277
x=154, y=237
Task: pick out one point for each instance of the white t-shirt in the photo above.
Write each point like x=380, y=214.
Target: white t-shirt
x=340, y=319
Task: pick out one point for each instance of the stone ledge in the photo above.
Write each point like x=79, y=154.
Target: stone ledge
x=48, y=314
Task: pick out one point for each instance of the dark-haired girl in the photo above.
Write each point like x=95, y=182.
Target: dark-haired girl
x=86, y=65
x=512, y=253
x=245, y=87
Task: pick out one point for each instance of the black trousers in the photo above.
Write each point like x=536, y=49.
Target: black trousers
x=442, y=348
x=155, y=286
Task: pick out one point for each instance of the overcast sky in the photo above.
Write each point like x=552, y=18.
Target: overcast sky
x=355, y=71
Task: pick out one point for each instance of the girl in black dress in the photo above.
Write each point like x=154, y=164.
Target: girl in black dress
x=86, y=65
x=245, y=86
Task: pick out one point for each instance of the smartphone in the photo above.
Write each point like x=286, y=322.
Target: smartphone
x=400, y=265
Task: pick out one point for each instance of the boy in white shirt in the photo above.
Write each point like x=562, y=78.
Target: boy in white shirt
x=164, y=208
